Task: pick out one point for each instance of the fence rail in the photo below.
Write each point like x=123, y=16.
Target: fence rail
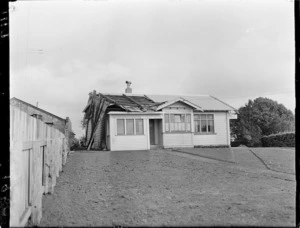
x=37, y=155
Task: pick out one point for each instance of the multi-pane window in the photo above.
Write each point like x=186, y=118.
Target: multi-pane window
x=204, y=123
x=139, y=126
x=177, y=122
x=130, y=127
x=121, y=127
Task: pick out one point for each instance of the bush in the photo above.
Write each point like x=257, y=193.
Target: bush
x=235, y=143
x=279, y=140
x=74, y=144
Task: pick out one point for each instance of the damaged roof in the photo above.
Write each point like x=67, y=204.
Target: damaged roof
x=143, y=103
x=130, y=103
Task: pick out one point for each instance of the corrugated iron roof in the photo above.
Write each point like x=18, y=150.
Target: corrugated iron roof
x=206, y=102
x=141, y=102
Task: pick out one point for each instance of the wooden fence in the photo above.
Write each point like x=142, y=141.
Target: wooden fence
x=37, y=154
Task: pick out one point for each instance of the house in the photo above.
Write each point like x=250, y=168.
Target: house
x=141, y=122
x=63, y=125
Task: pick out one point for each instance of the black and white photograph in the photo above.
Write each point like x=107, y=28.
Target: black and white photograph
x=151, y=113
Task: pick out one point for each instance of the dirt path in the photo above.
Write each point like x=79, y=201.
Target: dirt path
x=157, y=188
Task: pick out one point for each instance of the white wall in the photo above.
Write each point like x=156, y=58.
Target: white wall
x=186, y=139
x=171, y=139
x=130, y=142
x=178, y=140
x=221, y=135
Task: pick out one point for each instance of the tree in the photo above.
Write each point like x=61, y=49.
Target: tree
x=261, y=117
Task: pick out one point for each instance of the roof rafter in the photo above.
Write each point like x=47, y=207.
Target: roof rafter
x=141, y=106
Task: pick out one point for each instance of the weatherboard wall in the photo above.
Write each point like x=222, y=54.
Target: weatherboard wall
x=130, y=142
x=178, y=139
x=219, y=137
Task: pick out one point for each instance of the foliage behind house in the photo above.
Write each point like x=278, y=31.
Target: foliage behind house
x=259, y=118
x=279, y=140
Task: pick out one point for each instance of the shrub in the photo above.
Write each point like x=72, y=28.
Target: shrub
x=279, y=140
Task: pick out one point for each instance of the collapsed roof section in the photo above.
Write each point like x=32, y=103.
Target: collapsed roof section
x=126, y=102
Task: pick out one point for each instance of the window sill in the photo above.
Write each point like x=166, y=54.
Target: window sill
x=177, y=132
x=196, y=133
x=130, y=135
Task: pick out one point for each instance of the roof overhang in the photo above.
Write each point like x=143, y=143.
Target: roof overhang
x=135, y=113
x=168, y=103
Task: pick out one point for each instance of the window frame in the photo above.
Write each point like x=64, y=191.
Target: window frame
x=168, y=119
x=134, y=126
x=200, y=120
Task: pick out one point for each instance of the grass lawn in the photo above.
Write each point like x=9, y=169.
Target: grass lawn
x=156, y=188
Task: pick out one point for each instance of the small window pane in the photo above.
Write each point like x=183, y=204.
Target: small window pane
x=210, y=126
x=120, y=127
x=188, y=118
x=139, y=126
x=203, y=126
x=182, y=126
x=171, y=126
x=196, y=117
x=129, y=127
x=166, y=118
x=197, y=125
x=172, y=118
x=182, y=119
x=177, y=118
x=188, y=127
x=210, y=117
x=167, y=127
x=203, y=116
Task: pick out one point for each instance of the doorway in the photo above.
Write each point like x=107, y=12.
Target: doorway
x=155, y=132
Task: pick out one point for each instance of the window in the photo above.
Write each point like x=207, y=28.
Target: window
x=130, y=126
x=204, y=123
x=139, y=126
x=177, y=122
x=120, y=127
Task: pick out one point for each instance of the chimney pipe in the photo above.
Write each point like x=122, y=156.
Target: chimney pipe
x=128, y=89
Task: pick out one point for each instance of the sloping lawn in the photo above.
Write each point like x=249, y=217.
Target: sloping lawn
x=279, y=159
x=157, y=188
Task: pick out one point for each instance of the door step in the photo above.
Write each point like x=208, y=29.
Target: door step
x=156, y=147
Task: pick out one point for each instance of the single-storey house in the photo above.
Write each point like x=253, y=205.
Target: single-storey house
x=141, y=122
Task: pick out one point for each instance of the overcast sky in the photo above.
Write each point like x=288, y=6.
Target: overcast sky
x=235, y=50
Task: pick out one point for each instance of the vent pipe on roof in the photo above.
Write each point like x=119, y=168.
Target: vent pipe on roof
x=128, y=89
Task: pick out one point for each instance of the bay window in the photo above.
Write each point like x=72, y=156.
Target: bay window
x=177, y=122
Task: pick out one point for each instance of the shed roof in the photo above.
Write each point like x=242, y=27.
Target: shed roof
x=34, y=107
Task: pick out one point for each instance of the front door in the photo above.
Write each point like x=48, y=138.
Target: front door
x=152, y=132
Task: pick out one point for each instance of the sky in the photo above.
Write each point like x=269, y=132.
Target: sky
x=235, y=50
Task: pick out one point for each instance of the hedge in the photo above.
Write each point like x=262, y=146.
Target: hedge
x=279, y=140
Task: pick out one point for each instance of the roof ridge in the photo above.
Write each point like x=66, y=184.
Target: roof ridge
x=24, y=102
